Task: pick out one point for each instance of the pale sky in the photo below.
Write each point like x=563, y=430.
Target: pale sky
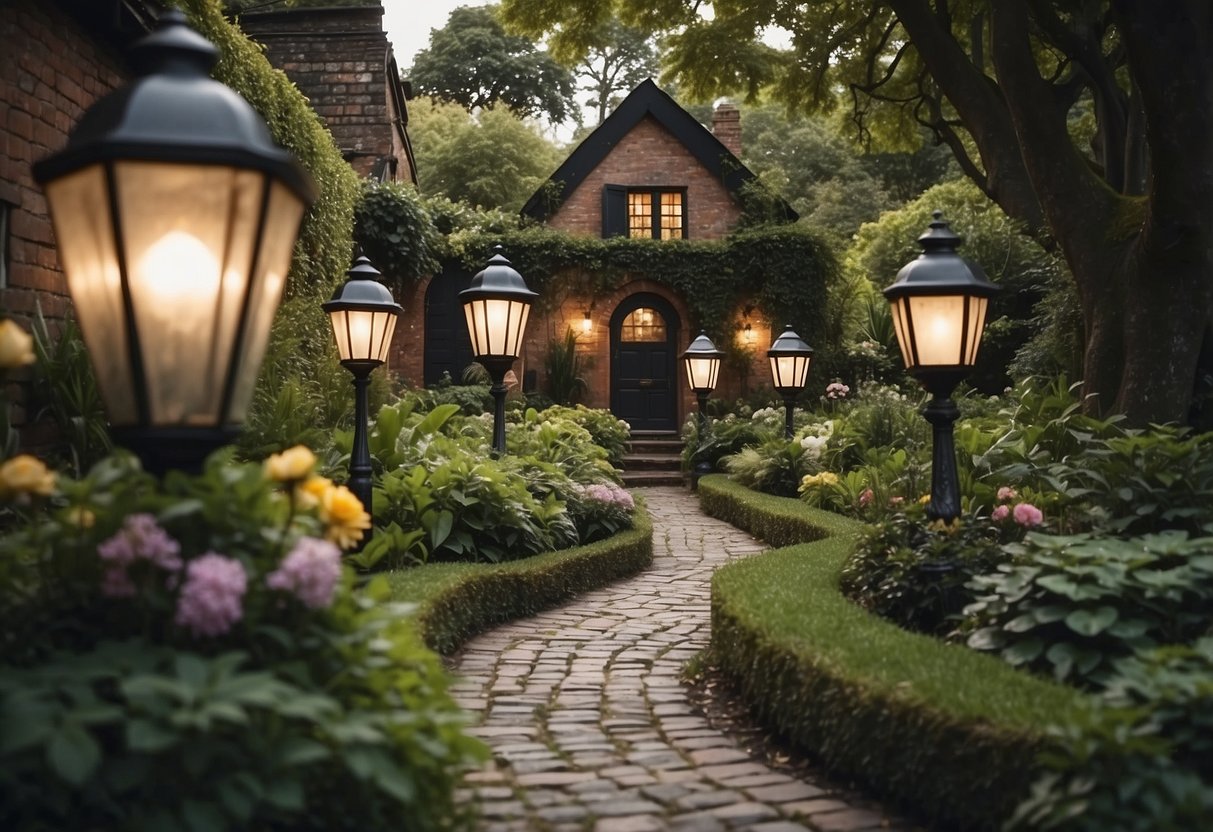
x=408, y=24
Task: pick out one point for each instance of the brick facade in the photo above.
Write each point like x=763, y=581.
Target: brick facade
x=52, y=71
x=651, y=155
x=340, y=58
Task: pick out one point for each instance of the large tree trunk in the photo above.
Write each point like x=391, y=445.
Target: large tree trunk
x=1143, y=268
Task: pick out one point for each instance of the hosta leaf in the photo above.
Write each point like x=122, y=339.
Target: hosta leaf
x=1024, y=651
x=1021, y=624
x=73, y=753
x=1092, y=622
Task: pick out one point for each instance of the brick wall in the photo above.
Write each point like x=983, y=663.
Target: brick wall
x=51, y=72
x=726, y=126
x=650, y=155
x=341, y=59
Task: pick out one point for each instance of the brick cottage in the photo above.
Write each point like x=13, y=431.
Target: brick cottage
x=649, y=170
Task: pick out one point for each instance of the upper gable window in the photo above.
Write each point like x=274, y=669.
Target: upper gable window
x=658, y=213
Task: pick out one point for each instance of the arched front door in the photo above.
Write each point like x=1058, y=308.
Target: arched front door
x=644, y=358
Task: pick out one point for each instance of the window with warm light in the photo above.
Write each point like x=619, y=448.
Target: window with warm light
x=643, y=324
x=657, y=213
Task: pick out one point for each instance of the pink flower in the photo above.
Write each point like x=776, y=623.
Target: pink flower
x=865, y=497
x=837, y=390
x=140, y=538
x=609, y=493
x=1000, y=513
x=1006, y=494
x=115, y=583
x=210, y=599
x=1028, y=515
x=896, y=501
x=310, y=571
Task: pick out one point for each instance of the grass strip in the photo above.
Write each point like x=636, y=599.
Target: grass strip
x=948, y=733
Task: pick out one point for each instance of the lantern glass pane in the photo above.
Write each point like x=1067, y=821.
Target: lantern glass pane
x=789, y=371
x=976, y=325
x=189, y=232
x=284, y=212
x=701, y=372
x=900, y=308
x=496, y=326
x=939, y=329
x=80, y=209
x=363, y=334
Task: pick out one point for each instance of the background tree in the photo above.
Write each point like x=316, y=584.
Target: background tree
x=492, y=159
x=1129, y=204
x=617, y=59
x=474, y=63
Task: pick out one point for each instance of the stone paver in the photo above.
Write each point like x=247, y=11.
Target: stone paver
x=591, y=727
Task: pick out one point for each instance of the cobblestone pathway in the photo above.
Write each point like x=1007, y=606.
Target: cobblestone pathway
x=591, y=728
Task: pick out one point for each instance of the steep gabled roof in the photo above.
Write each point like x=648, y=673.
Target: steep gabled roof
x=646, y=100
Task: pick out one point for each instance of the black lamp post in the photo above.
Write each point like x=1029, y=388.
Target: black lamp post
x=363, y=315
x=939, y=304
x=702, y=361
x=175, y=216
x=790, y=359
x=497, y=305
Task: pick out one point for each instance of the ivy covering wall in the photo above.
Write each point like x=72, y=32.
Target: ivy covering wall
x=787, y=273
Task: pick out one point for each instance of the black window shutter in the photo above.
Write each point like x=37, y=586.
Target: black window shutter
x=614, y=211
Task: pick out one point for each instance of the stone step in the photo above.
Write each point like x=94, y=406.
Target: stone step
x=655, y=446
x=652, y=462
x=647, y=479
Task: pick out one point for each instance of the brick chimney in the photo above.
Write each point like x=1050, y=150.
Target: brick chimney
x=726, y=126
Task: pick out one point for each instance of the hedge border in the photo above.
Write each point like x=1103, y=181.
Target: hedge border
x=948, y=733
x=458, y=600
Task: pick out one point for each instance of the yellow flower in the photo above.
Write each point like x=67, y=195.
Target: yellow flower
x=16, y=345
x=311, y=491
x=939, y=525
x=291, y=465
x=924, y=499
x=23, y=475
x=344, y=516
x=81, y=516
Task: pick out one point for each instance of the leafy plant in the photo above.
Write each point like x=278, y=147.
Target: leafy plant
x=66, y=390
x=563, y=368
x=1073, y=605
x=1138, y=758
x=192, y=655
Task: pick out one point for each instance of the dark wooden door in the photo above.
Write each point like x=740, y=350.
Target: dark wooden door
x=644, y=343
x=447, y=345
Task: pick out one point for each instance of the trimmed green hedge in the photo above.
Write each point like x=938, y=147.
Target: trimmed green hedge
x=948, y=732
x=458, y=600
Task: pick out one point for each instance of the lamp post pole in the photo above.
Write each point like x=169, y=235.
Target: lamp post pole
x=939, y=303
x=363, y=316
x=496, y=306
x=790, y=358
x=702, y=361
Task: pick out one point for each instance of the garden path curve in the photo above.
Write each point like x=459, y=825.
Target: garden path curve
x=591, y=728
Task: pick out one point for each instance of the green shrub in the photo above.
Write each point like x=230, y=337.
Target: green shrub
x=774, y=467
x=563, y=368
x=457, y=600
x=1138, y=759
x=192, y=655
x=1072, y=606
x=922, y=723
x=395, y=230
x=916, y=575
x=606, y=431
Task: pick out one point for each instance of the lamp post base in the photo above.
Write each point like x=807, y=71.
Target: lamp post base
x=497, y=368
x=161, y=450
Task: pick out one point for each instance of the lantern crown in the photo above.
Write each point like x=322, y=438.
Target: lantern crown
x=789, y=344
x=175, y=112
x=362, y=290
x=498, y=279
x=939, y=270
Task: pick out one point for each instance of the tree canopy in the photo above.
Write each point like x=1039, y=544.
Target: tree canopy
x=475, y=63
x=617, y=59
x=1090, y=123
x=492, y=159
